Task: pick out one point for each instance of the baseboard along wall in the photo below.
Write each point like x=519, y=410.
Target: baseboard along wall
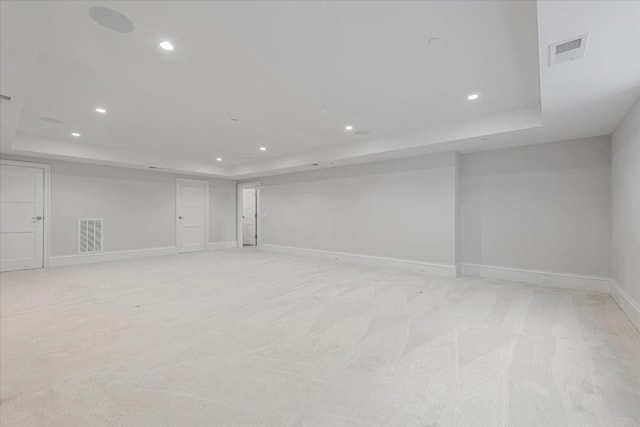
x=435, y=269
x=534, y=277
x=63, y=260
x=627, y=304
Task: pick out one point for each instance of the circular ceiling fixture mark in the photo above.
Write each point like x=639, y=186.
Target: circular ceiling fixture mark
x=111, y=19
x=52, y=120
x=362, y=132
x=433, y=41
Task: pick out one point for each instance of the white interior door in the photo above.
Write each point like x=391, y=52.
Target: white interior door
x=192, y=215
x=249, y=219
x=21, y=217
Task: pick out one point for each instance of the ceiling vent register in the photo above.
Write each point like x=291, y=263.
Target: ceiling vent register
x=568, y=50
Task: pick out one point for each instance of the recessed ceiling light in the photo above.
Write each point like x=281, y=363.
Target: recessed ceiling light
x=76, y=134
x=219, y=159
x=473, y=96
x=166, y=45
x=101, y=110
x=263, y=148
x=348, y=127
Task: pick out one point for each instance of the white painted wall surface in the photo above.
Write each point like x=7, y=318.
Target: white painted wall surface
x=403, y=209
x=138, y=206
x=544, y=207
x=626, y=204
x=222, y=210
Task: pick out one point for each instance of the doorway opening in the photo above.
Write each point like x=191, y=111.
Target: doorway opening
x=248, y=215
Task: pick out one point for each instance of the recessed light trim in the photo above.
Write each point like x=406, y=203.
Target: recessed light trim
x=263, y=148
x=348, y=127
x=473, y=97
x=100, y=110
x=76, y=134
x=166, y=46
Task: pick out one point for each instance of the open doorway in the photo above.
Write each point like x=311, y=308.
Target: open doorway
x=248, y=215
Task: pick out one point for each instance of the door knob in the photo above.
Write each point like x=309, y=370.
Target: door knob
x=37, y=218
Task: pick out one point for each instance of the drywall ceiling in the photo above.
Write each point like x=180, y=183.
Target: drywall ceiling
x=289, y=76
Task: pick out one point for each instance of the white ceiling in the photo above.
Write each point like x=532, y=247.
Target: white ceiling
x=295, y=73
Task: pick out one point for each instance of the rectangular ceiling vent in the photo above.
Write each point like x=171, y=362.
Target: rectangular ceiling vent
x=89, y=235
x=568, y=50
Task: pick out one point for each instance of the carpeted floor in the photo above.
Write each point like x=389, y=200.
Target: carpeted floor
x=251, y=338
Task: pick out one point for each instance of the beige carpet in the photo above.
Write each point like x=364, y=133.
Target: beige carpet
x=249, y=338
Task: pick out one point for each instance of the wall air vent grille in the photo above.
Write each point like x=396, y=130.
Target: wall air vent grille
x=565, y=47
x=90, y=235
x=568, y=50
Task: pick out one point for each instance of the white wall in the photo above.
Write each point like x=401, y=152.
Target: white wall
x=402, y=209
x=626, y=205
x=138, y=206
x=222, y=210
x=536, y=208
x=542, y=207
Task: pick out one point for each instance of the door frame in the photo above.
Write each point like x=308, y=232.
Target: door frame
x=206, y=211
x=239, y=210
x=46, y=202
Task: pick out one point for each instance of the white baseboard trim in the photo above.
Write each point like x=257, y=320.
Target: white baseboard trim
x=212, y=246
x=128, y=254
x=110, y=256
x=535, y=277
x=440, y=270
x=627, y=304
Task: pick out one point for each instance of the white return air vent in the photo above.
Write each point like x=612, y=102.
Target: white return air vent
x=568, y=50
x=89, y=235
